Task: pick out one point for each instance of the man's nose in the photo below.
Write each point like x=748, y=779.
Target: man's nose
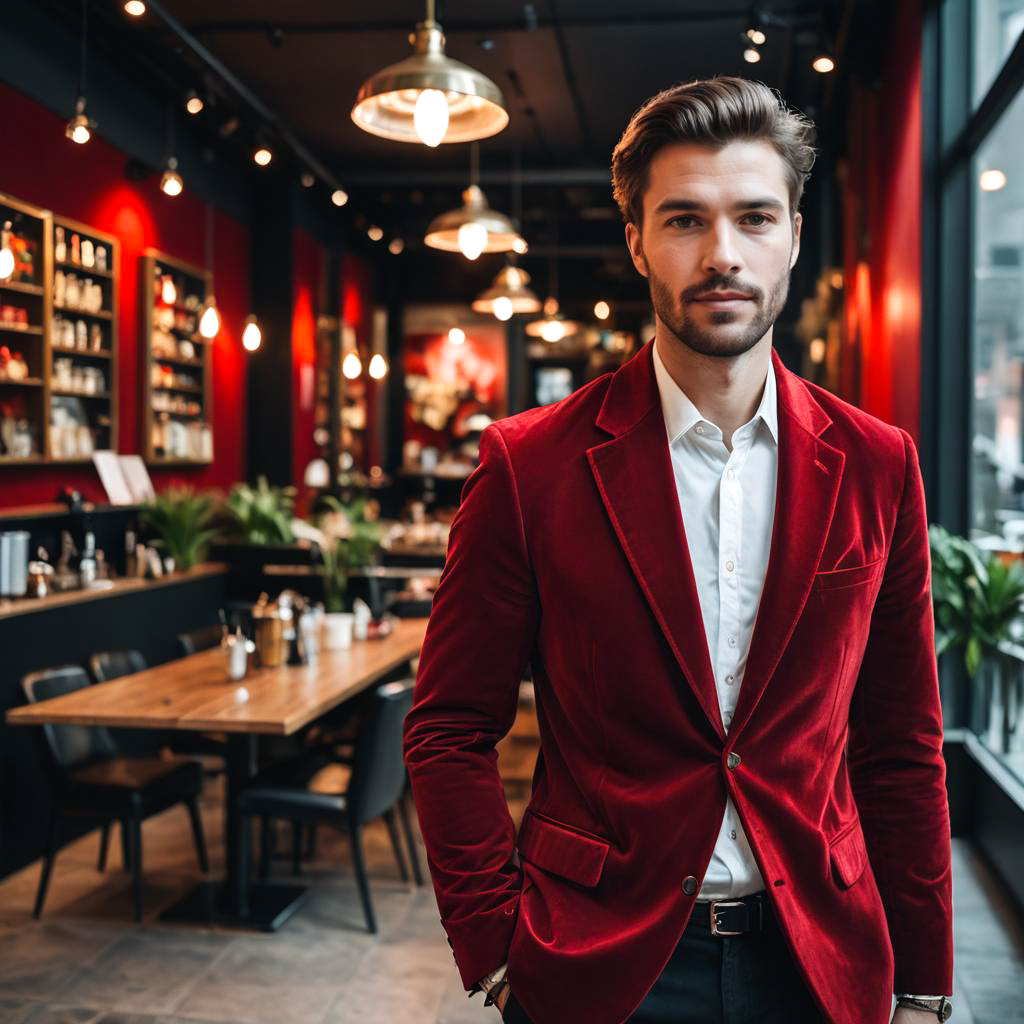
x=721, y=254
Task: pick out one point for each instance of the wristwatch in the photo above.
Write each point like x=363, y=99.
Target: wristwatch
x=488, y=981
x=941, y=1006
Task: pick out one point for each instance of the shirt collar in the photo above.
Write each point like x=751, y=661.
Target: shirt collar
x=681, y=414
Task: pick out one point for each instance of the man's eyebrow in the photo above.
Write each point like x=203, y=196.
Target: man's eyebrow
x=688, y=205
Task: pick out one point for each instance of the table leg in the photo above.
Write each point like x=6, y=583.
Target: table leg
x=236, y=900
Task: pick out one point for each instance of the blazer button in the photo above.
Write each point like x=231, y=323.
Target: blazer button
x=689, y=885
x=734, y=760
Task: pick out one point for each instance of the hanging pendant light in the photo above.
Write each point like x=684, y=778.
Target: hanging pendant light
x=508, y=294
x=209, y=321
x=473, y=228
x=429, y=98
x=553, y=326
x=80, y=128
x=252, y=336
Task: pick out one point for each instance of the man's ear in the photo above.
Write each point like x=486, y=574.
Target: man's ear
x=636, y=248
x=797, y=221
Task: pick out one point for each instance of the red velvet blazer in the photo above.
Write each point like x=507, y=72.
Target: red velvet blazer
x=568, y=553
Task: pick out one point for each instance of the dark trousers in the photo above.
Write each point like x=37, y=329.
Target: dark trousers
x=721, y=979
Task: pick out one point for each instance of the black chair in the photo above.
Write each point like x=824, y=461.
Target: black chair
x=201, y=639
x=92, y=782
x=376, y=785
x=107, y=665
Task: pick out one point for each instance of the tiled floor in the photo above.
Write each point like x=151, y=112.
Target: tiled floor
x=86, y=963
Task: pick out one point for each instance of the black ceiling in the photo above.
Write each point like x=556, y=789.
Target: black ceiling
x=572, y=72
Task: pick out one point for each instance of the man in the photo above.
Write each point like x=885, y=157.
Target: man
x=719, y=574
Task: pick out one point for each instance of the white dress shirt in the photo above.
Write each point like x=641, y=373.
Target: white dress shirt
x=727, y=499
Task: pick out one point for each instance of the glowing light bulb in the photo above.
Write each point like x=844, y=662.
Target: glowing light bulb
x=602, y=310
x=209, y=322
x=136, y=8
x=457, y=336
x=992, y=180
x=823, y=64
x=430, y=118
x=817, y=350
x=395, y=246
x=751, y=55
x=378, y=367
x=339, y=197
x=472, y=239
x=552, y=330
x=194, y=103
x=168, y=293
x=503, y=308
x=78, y=129
x=6, y=263
x=374, y=233
x=519, y=245
x=352, y=366
x=263, y=156
x=171, y=183
x=756, y=36
x=252, y=336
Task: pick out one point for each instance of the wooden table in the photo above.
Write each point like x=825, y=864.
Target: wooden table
x=195, y=694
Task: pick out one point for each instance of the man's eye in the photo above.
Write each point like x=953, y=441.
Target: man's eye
x=763, y=219
x=676, y=220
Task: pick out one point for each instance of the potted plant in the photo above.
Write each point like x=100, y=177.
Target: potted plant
x=348, y=538
x=978, y=597
x=182, y=520
x=260, y=514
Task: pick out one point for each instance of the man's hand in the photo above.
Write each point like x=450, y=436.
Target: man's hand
x=504, y=994
x=911, y=1015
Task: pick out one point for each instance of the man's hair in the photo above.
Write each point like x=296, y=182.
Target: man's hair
x=710, y=112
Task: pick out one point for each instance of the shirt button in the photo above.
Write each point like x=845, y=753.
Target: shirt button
x=730, y=679
x=732, y=641
x=700, y=429
x=689, y=885
x=729, y=473
x=733, y=760
x=732, y=833
x=729, y=566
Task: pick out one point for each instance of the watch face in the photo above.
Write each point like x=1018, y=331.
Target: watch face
x=947, y=1009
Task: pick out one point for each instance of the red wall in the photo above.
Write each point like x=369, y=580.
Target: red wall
x=87, y=183
x=882, y=235
x=309, y=258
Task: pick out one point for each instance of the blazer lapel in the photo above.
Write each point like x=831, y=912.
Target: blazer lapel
x=635, y=480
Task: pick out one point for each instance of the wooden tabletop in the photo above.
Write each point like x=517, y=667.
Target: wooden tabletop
x=195, y=693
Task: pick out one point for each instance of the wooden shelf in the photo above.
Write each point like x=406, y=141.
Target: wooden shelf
x=80, y=268
x=22, y=287
x=80, y=353
x=70, y=311
x=190, y=280
x=14, y=329
x=100, y=408
x=100, y=395
x=28, y=382
x=22, y=460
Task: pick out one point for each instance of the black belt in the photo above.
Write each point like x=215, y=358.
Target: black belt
x=751, y=913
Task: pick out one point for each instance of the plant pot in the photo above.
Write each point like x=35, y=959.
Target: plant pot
x=338, y=630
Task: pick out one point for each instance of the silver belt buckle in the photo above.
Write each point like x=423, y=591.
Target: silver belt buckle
x=715, y=930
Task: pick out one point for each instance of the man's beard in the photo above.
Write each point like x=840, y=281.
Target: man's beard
x=672, y=311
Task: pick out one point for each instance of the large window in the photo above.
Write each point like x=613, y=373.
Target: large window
x=997, y=26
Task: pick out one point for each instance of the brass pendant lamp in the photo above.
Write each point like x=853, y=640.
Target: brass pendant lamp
x=508, y=294
x=472, y=228
x=429, y=98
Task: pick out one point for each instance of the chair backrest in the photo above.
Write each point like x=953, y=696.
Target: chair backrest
x=107, y=665
x=69, y=745
x=196, y=640
x=378, y=769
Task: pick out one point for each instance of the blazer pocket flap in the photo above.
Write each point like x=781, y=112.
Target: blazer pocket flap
x=833, y=578
x=562, y=850
x=849, y=856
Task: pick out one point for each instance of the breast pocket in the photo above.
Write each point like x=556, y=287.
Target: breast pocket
x=854, y=576
x=561, y=849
